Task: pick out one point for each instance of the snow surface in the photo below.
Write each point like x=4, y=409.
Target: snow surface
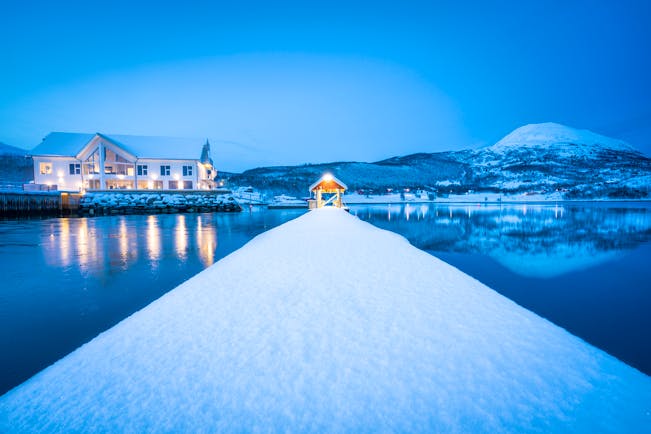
x=70, y=144
x=549, y=134
x=327, y=323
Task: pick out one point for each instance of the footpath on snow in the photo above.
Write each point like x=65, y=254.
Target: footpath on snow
x=327, y=323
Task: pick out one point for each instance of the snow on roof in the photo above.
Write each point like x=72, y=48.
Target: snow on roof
x=63, y=144
x=70, y=144
x=328, y=179
x=397, y=340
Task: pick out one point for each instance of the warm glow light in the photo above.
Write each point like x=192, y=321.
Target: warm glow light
x=153, y=240
x=64, y=242
x=150, y=184
x=82, y=244
x=176, y=176
x=327, y=177
x=90, y=176
x=207, y=242
x=181, y=238
x=124, y=241
x=60, y=173
x=120, y=176
x=154, y=176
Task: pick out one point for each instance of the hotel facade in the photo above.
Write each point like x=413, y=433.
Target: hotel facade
x=82, y=162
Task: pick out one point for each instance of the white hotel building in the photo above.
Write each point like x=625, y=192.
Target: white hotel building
x=75, y=162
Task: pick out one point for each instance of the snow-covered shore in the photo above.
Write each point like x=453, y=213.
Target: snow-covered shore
x=357, y=199
x=327, y=323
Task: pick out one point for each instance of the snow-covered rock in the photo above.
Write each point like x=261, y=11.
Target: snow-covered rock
x=329, y=324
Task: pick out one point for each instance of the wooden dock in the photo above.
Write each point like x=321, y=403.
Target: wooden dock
x=34, y=204
x=21, y=204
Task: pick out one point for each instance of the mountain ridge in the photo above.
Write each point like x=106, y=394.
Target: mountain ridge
x=11, y=150
x=539, y=158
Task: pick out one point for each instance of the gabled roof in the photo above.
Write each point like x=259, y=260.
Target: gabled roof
x=62, y=144
x=173, y=148
x=328, y=181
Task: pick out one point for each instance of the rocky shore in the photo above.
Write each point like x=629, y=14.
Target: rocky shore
x=105, y=203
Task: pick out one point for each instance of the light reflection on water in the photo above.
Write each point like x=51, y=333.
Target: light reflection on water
x=66, y=280
x=585, y=267
x=153, y=240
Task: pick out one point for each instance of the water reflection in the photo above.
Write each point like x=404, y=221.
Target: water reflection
x=541, y=241
x=153, y=240
x=123, y=235
x=64, y=243
x=82, y=243
x=206, y=237
x=181, y=237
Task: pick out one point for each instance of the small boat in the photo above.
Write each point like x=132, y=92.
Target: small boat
x=284, y=201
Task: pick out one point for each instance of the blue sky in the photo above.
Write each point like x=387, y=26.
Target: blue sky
x=296, y=82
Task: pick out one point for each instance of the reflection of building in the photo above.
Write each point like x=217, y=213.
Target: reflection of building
x=74, y=161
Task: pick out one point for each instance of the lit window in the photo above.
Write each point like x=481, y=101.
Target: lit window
x=45, y=168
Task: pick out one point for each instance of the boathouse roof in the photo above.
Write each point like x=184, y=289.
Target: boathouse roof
x=328, y=182
x=173, y=148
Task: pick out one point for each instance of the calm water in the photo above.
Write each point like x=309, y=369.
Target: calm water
x=586, y=268
x=66, y=280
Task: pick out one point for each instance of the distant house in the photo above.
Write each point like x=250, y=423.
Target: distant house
x=74, y=162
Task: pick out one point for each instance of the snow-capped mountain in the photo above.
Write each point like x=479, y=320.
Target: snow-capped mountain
x=540, y=158
x=552, y=156
x=560, y=137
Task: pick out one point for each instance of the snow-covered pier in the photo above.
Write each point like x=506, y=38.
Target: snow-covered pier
x=327, y=323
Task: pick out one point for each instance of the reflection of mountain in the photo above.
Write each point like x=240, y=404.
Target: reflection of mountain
x=551, y=264
x=536, y=241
